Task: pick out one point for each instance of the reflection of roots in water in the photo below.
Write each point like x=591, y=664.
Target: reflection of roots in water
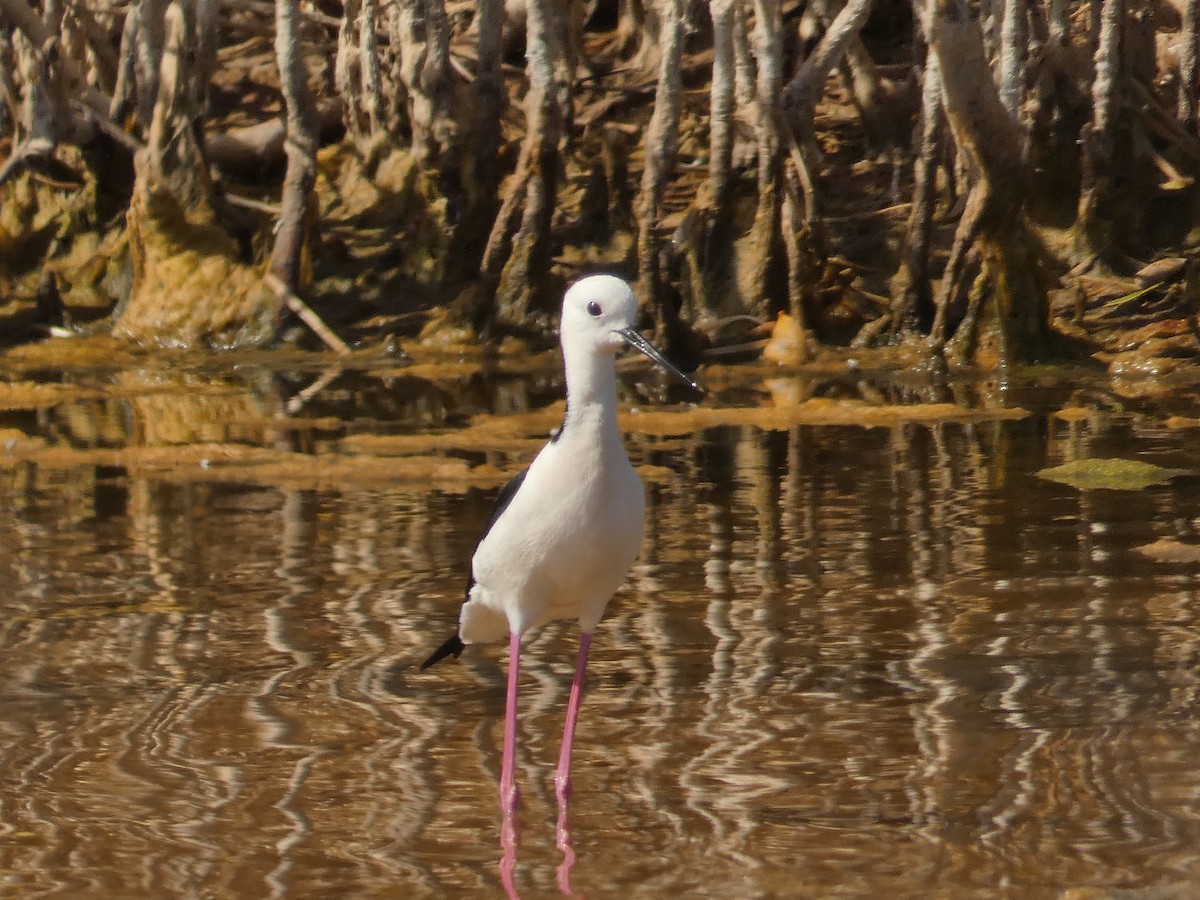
x=727, y=781
x=843, y=654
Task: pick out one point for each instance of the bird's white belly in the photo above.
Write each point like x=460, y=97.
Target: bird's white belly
x=562, y=548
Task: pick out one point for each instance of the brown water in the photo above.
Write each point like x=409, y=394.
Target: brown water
x=852, y=661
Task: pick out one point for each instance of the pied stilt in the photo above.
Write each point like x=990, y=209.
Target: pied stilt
x=566, y=530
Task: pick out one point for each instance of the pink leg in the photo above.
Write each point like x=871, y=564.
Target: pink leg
x=562, y=781
x=509, y=795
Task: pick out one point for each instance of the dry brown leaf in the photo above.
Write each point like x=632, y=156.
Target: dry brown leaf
x=1169, y=551
x=1073, y=413
x=1178, y=422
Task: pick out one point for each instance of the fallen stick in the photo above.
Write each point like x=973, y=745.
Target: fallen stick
x=270, y=209
x=305, y=313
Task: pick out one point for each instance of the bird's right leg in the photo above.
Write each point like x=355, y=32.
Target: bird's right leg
x=509, y=795
x=562, y=779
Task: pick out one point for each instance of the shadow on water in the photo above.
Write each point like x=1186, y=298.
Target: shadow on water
x=862, y=651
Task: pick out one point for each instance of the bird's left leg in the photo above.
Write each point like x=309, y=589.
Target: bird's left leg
x=509, y=795
x=562, y=780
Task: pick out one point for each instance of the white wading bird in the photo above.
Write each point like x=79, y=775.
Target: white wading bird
x=566, y=530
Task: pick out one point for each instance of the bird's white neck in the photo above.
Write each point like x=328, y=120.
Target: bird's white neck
x=592, y=397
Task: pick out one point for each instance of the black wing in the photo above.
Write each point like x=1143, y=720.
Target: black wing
x=454, y=645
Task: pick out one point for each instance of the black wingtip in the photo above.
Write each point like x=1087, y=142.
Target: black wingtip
x=453, y=647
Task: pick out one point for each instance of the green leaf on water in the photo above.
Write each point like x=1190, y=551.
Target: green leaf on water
x=1110, y=474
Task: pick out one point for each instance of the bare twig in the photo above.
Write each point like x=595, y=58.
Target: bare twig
x=305, y=313
x=270, y=209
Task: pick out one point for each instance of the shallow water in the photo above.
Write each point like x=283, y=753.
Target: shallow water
x=853, y=660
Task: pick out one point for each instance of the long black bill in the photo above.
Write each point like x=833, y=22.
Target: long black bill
x=639, y=343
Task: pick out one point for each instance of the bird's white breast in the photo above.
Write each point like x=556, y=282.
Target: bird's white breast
x=566, y=541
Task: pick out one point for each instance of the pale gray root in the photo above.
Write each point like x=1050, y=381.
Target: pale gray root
x=721, y=102
x=1107, y=62
x=490, y=95
x=768, y=46
x=126, y=84
x=799, y=97
x=1093, y=225
x=46, y=116
x=1014, y=39
x=522, y=265
x=423, y=31
x=660, y=147
x=993, y=221
x=37, y=118
x=965, y=234
x=957, y=351
x=393, y=64
x=207, y=40
x=147, y=57
x=800, y=273
x=357, y=73
x=1189, y=69
x=801, y=93
x=911, y=290
x=369, y=69
x=765, y=230
x=296, y=202
x=347, y=79
x=861, y=76
x=437, y=85
x=172, y=148
x=566, y=21
x=743, y=68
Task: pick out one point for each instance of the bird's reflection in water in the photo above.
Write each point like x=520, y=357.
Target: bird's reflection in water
x=510, y=834
x=567, y=848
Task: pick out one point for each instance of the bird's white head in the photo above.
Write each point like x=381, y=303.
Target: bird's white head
x=598, y=316
x=595, y=311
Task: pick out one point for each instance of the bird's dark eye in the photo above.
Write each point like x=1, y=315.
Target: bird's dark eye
x=594, y=309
